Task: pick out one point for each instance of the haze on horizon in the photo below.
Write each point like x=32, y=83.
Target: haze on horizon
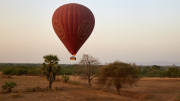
x=125, y=30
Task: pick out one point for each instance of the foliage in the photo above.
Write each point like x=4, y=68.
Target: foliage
x=65, y=78
x=145, y=70
x=86, y=67
x=9, y=86
x=173, y=72
x=50, y=68
x=155, y=67
x=35, y=71
x=8, y=70
x=67, y=70
x=19, y=70
x=119, y=74
x=155, y=73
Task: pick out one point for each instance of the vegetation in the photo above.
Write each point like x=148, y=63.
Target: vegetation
x=33, y=69
x=65, y=78
x=9, y=86
x=158, y=71
x=21, y=70
x=87, y=67
x=69, y=69
x=119, y=74
x=50, y=68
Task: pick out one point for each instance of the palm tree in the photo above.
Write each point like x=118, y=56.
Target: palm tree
x=50, y=68
x=9, y=86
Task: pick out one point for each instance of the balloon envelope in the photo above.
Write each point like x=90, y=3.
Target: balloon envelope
x=73, y=23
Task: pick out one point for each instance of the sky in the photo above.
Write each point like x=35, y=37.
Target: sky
x=125, y=30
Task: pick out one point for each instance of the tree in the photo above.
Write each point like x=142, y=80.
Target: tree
x=50, y=68
x=155, y=67
x=119, y=74
x=87, y=67
x=173, y=72
x=145, y=70
x=9, y=86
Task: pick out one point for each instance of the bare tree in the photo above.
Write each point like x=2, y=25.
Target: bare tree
x=119, y=74
x=86, y=67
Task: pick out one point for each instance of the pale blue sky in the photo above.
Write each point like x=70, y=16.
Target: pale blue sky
x=125, y=30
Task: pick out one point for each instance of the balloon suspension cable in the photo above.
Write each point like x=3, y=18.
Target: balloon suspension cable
x=86, y=46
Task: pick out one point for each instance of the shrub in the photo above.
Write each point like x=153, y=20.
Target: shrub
x=173, y=72
x=8, y=70
x=35, y=71
x=19, y=71
x=65, y=78
x=9, y=86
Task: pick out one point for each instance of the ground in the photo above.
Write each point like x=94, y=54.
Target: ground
x=150, y=89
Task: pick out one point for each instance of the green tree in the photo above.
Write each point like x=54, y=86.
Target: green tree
x=50, y=68
x=173, y=72
x=119, y=74
x=9, y=86
x=155, y=67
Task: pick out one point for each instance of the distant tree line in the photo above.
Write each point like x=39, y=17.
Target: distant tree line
x=70, y=69
x=159, y=71
x=33, y=70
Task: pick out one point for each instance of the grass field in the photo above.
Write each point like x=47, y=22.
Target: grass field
x=150, y=89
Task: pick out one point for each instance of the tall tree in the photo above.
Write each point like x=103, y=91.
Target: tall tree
x=119, y=74
x=50, y=68
x=87, y=67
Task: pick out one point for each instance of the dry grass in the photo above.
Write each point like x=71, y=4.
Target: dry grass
x=151, y=89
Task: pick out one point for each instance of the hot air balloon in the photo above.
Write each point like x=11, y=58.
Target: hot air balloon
x=73, y=24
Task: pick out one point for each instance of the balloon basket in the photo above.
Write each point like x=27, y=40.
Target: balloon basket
x=72, y=58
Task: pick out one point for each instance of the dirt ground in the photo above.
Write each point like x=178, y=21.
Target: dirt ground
x=146, y=89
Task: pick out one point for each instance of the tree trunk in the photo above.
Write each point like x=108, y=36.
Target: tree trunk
x=118, y=89
x=9, y=89
x=50, y=83
x=50, y=78
x=89, y=81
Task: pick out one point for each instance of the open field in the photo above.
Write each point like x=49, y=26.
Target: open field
x=151, y=89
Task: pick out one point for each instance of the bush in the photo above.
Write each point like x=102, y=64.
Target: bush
x=8, y=70
x=9, y=86
x=65, y=78
x=19, y=71
x=173, y=72
x=34, y=71
x=67, y=71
